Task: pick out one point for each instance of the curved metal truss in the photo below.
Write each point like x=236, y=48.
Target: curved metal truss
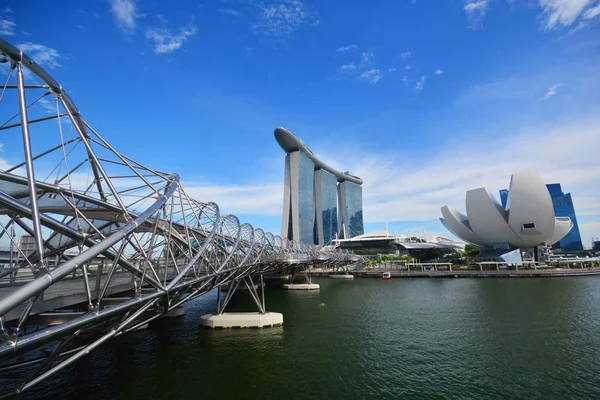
x=100, y=244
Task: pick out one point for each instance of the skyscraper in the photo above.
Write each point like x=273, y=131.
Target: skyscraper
x=350, y=223
x=326, y=223
x=299, y=215
x=504, y=198
x=319, y=203
x=563, y=207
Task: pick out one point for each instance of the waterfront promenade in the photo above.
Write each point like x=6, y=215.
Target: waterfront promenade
x=464, y=273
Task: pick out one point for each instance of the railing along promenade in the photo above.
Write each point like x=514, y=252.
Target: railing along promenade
x=458, y=272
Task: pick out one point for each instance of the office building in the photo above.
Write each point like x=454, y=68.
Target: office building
x=320, y=203
x=350, y=223
x=326, y=217
x=563, y=207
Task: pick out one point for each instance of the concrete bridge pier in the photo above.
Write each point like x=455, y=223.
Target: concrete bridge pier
x=309, y=285
x=260, y=319
x=174, y=313
x=341, y=273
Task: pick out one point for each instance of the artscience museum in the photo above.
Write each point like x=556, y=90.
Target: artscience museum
x=527, y=223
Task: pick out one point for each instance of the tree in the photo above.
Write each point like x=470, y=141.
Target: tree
x=453, y=255
x=430, y=254
x=471, y=251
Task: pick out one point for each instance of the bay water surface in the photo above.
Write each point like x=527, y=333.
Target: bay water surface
x=511, y=338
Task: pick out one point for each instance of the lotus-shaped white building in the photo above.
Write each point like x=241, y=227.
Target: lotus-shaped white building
x=527, y=222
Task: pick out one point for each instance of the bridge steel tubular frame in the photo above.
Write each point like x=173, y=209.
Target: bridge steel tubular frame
x=129, y=246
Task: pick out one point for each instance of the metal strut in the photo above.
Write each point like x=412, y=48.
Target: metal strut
x=37, y=227
x=257, y=297
x=122, y=248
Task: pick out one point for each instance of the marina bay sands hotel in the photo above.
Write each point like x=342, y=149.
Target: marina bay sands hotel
x=319, y=203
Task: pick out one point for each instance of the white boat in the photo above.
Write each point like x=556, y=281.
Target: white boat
x=386, y=276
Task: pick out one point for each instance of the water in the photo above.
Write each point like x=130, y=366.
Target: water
x=405, y=338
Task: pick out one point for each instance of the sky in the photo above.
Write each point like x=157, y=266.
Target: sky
x=423, y=100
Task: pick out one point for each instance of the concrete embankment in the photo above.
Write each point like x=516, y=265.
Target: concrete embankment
x=531, y=273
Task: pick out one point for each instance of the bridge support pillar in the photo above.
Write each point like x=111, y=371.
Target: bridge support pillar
x=301, y=286
x=309, y=285
x=174, y=313
x=340, y=272
x=341, y=276
x=241, y=320
x=261, y=319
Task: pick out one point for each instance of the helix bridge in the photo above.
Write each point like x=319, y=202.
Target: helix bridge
x=99, y=243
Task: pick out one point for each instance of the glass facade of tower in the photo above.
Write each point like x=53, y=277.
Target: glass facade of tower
x=563, y=207
x=306, y=199
x=354, y=209
x=319, y=204
x=504, y=197
x=328, y=207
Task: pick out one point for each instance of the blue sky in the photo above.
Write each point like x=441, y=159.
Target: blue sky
x=422, y=100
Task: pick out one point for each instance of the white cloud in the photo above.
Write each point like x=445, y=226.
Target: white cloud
x=438, y=72
x=404, y=80
x=592, y=12
x=7, y=28
x=372, y=75
x=43, y=55
x=4, y=164
x=475, y=5
x=346, y=48
x=551, y=91
x=565, y=12
x=475, y=10
x=283, y=17
x=7, y=10
x=562, y=13
x=408, y=67
x=365, y=70
x=587, y=229
x=231, y=12
x=555, y=13
x=125, y=14
x=506, y=90
x=420, y=84
x=264, y=199
x=278, y=18
x=579, y=26
x=405, y=55
x=165, y=41
x=48, y=106
x=413, y=187
x=367, y=59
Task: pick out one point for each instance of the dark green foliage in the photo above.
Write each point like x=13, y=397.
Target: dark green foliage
x=430, y=254
x=471, y=251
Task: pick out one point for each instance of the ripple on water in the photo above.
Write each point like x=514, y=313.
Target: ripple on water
x=405, y=338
